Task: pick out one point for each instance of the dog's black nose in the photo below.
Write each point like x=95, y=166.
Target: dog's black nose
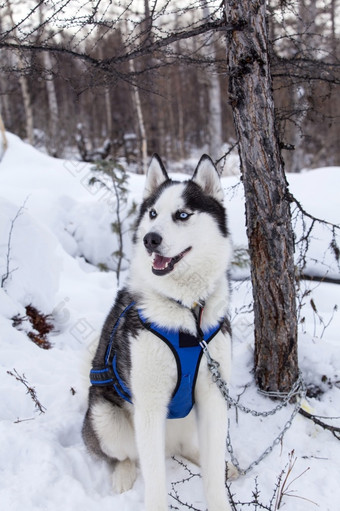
x=152, y=240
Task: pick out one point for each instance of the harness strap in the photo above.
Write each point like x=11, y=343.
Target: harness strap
x=102, y=376
x=186, y=348
x=109, y=355
x=108, y=374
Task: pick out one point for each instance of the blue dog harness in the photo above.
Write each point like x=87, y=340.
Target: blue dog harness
x=187, y=351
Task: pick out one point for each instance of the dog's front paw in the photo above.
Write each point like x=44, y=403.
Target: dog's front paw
x=231, y=472
x=124, y=476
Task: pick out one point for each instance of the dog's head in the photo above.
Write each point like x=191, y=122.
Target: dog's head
x=181, y=235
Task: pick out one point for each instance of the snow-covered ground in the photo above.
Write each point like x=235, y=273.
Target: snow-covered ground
x=54, y=230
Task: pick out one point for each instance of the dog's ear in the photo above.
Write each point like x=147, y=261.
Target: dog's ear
x=206, y=176
x=155, y=176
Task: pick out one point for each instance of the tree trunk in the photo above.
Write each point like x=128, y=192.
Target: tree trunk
x=305, y=45
x=269, y=229
x=108, y=102
x=54, y=127
x=53, y=132
x=23, y=84
x=143, y=146
x=333, y=24
x=27, y=104
x=214, y=95
x=180, y=84
x=149, y=102
x=4, y=143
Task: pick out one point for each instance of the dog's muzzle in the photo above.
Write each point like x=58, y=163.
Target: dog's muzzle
x=161, y=265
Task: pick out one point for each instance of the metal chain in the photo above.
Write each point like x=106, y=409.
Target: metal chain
x=298, y=390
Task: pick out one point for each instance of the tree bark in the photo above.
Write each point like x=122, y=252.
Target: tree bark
x=268, y=217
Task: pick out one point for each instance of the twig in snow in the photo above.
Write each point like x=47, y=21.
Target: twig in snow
x=284, y=490
x=30, y=390
x=255, y=502
x=174, y=491
x=23, y=420
x=9, y=244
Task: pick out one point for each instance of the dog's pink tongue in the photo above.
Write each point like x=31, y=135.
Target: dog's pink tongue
x=160, y=262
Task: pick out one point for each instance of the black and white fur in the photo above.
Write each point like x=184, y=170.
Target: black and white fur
x=181, y=256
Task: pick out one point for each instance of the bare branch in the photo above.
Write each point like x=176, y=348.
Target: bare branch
x=153, y=47
x=291, y=198
x=9, y=244
x=30, y=390
x=333, y=429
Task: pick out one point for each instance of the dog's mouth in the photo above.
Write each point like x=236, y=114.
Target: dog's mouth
x=162, y=265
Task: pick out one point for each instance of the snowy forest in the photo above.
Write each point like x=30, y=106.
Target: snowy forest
x=153, y=76
x=89, y=90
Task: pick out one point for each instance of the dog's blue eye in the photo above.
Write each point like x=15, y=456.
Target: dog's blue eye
x=182, y=215
x=152, y=213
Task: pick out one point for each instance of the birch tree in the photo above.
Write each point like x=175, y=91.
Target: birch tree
x=141, y=125
x=53, y=109
x=304, y=39
x=26, y=96
x=214, y=94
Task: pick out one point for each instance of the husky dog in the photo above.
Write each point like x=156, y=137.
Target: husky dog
x=152, y=394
